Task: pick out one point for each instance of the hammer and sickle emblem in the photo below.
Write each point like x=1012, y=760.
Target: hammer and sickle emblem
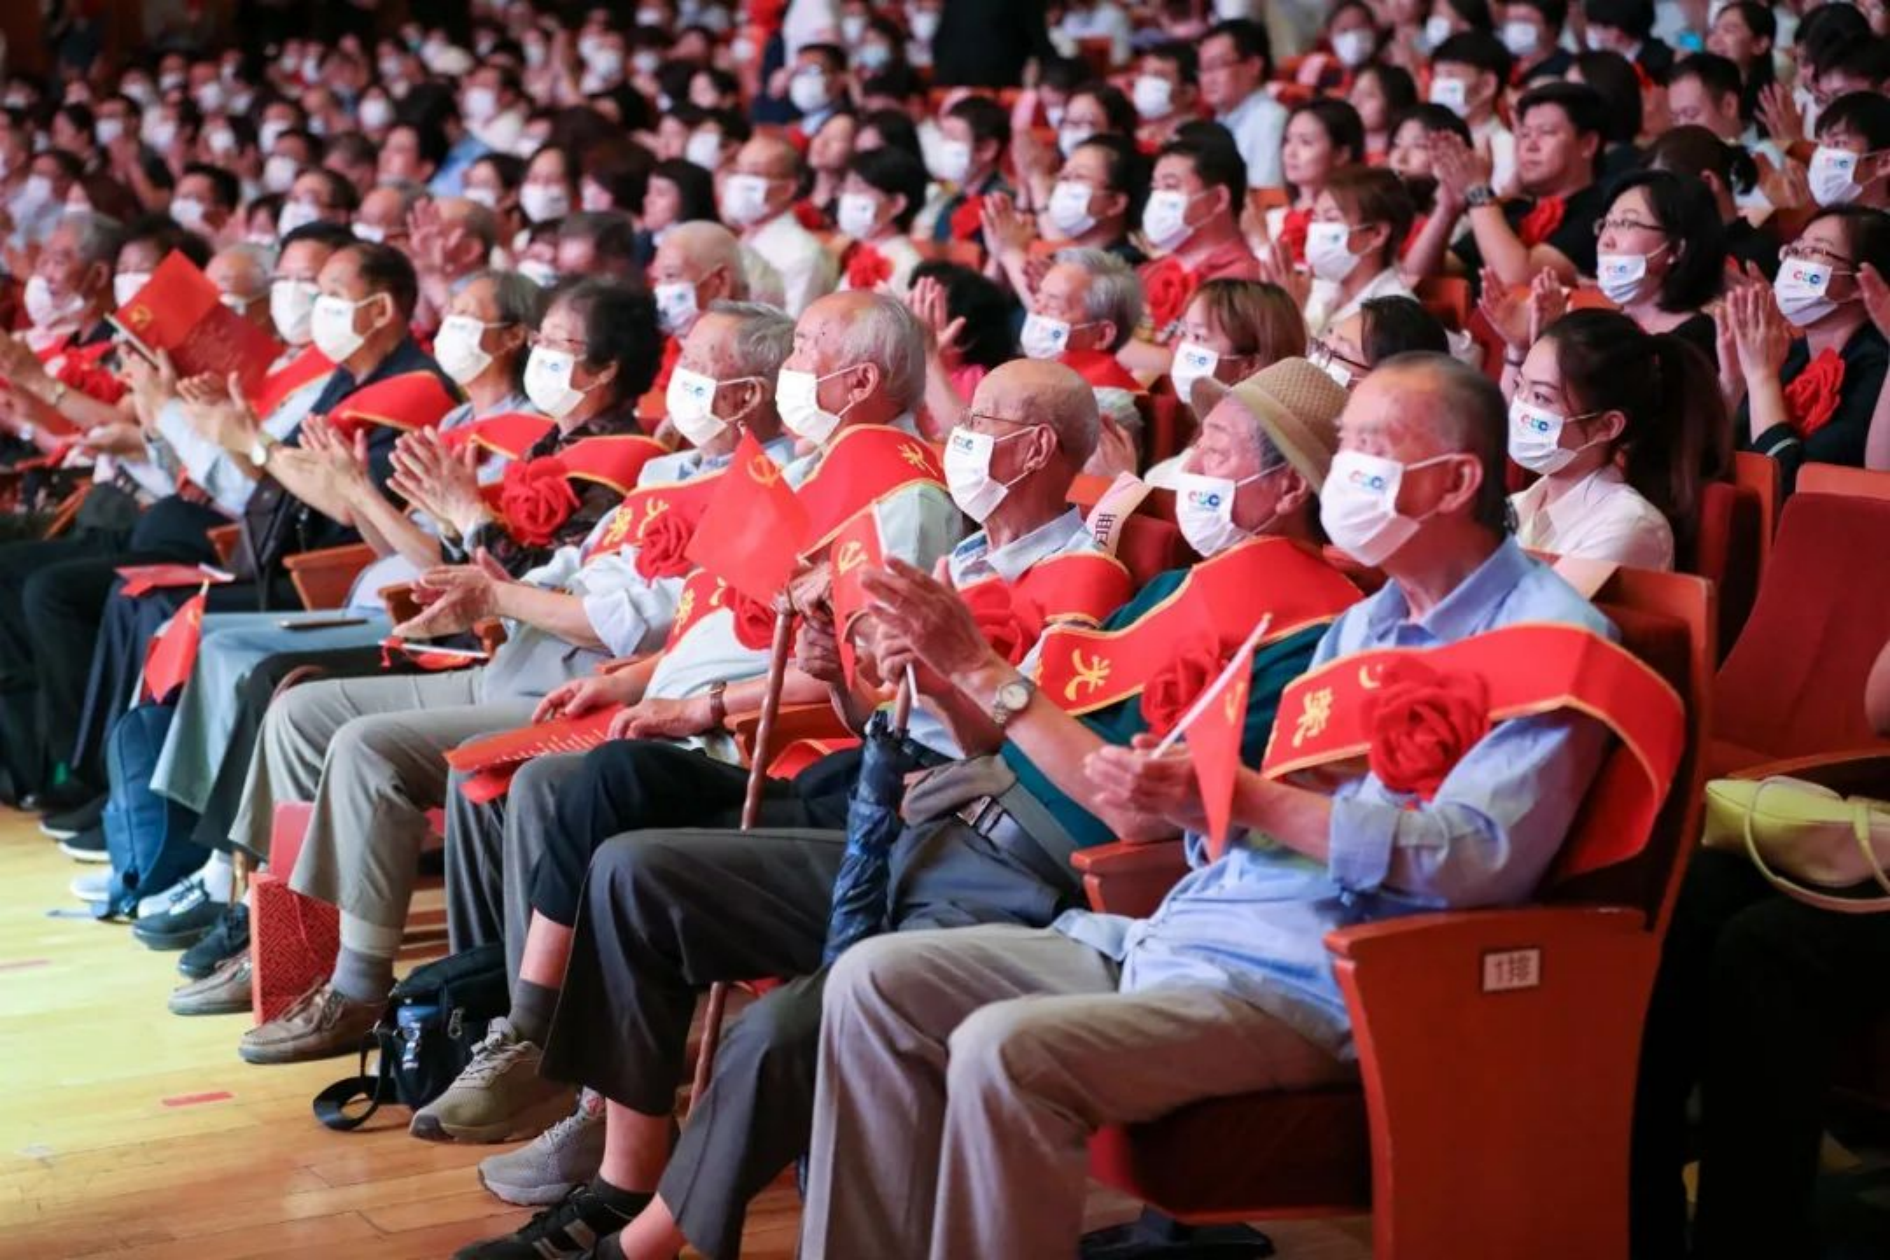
x=1091, y=674
x=852, y=556
x=1314, y=716
x=1371, y=677
x=763, y=471
x=139, y=316
x=651, y=510
x=1234, y=703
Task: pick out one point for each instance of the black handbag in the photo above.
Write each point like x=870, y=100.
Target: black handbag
x=434, y=1019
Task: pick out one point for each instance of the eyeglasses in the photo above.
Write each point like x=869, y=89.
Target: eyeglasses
x=570, y=345
x=1798, y=251
x=1322, y=354
x=1626, y=225
x=979, y=419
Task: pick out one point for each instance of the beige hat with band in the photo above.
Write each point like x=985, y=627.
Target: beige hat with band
x=1297, y=404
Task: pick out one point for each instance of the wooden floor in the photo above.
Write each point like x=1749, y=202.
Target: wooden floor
x=127, y=1131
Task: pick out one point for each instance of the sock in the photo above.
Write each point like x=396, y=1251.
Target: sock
x=532, y=1008
x=362, y=977
x=218, y=877
x=626, y=1203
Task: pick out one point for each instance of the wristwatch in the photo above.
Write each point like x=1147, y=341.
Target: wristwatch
x=1478, y=195
x=259, y=449
x=718, y=705
x=1012, y=699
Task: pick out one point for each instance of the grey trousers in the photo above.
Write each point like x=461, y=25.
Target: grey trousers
x=490, y=852
x=962, y=1073
x=370, y=753
x=665, y=913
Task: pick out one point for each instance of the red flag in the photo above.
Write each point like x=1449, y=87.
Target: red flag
x=172, y=653
x=856, y=550
x=1214, y=743
x=751, y=533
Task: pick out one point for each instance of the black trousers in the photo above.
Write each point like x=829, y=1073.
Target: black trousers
x=645, y=784
x=668, y=912
x=1755, y=994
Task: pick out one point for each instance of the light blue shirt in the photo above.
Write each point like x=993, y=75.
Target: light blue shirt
x=1254, y=922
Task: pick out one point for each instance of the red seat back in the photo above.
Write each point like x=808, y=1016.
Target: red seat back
x=1727, y=550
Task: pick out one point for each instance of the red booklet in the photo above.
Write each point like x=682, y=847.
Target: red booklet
x=180, y=311
x=491, y=762
x=428, y=656
x=141, y=579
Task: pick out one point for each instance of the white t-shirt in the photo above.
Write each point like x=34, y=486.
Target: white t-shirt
x=1600, y=517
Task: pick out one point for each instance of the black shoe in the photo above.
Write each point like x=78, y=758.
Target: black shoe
x=60, y=797
x=190, y=918
x=87, y=846
x=71, y=822
x=227, y=939
x=571, y=1227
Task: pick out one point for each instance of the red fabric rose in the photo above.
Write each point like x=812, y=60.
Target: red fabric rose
x=968, y=219
x=1813, y=396
x=1179, y=683
x=1540, y=223
x=867, y=268
x=535, y=499
x=1167, y=286
x=661, y=545
x=1293, y=233
x=1422, y=722
x=1010, y=621
x=754, y=620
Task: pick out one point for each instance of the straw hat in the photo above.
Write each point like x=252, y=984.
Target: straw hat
x=1297, y=404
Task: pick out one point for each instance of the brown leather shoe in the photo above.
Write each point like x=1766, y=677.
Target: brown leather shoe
x=225, y=991
x=320, y=1025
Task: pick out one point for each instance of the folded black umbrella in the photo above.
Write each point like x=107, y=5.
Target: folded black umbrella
x=873, y=826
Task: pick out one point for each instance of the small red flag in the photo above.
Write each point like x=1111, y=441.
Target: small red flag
x=1214, y=743
x=172, y=653
x=751, y=533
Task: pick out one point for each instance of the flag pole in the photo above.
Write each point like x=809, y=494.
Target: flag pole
x=1213, y=689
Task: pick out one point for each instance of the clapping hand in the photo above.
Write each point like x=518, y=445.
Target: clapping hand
x=455, y=597
x=439, y=481
x=1760, y=335
x=927, y=300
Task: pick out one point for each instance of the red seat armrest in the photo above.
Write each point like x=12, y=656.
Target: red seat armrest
x=1131, y=879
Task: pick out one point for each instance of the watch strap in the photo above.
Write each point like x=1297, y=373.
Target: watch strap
x=718, y=704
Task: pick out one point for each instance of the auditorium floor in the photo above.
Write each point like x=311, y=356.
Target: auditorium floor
x=131, y=1132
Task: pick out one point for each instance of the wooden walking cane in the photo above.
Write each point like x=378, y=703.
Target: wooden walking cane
x=751, y=809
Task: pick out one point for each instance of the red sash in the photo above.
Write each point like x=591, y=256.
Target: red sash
x=612, y=461
x=865, y=464
x=678, y=505
x=305, y=368
x=409, y=401
x=1082, y=670
x=705, y=593
x=1408, y=715
x=510, y=433
x=1101, y=369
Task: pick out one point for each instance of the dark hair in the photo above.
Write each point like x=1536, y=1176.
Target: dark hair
x=384, y=269
x=1693, y=151
x=1827, y=30
x=1581, y=103
x=1340, y=122
x=1396, y=325
x=1115, y=106
x=1475, y=13
x=1181, y=55
x=1399, y=88
x=224, y=185
x=1689, y=219
x=1433, y=118
x=573, y=169
x=1716, y=74
x=1614, y=79
x=1636, y=17
x=895, y=128
x=899, y=81
x=164, y=234
x=1127, y=169
x=1677, y=435
x=623, y=171
x=897, y=174
x=620, y=328
x=1373, y=194
x=332, y=235
x=342, y=194
x=1249, y=38
x=985, y=308
x=613, y=238
x=832, y=56
x=724, y=83
x=1862, y=114
x=1470, y=400
x=1063, y=74
x=985, y=118
x=1479, y=50
x=509, y=167
x=1554, y=12
x=695, y=186
x=1217, y=163
x=1867, y=232
x=429, y=139
x=1867, y=59
x=80, y=115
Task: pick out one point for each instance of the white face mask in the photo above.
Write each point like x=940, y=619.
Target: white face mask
x=188, y=211
x=480, y=105
x=457, y=348
x=1069, y=208
x=1619, y=276
x=675, y=306
x=1043, y=337
x=1833, y=176
x=159, y=132
x=606, y=64
x=1229, y=10
x=292, y=308
x=925, y=25
x=1165, y=218
x=1452, y=94
x=487, y=197
x=47, y=311
x=210, y=97
x=954, y=161
x=279, y=173
x=1521, y=38
x=1800, y=291
x=1070, y=135
x=332, y=326
x=548, y=382
x=968, y=472
x=647, y=61
x=296, y=214
x=539, y=272
x=1053, y=114
x=690, y=400
x=1436, y=30
x=544, y=201
x=1358, y=506
x=1353, y=48
x=108, y=129
x=858, y=216
x=1326, y=253
x=1204, y=509
x=808, y=90
x=37, y=192
x=125, y=286
x=1154, y=96
x=377, y=113
x=270, y=132
x=873, y=57
x=222, y=142
x=744, y=199
x=1193, y=362
x=1535, y=438
x=704, y=148
x=853, y=28
x=796, y=396
x=373, y=233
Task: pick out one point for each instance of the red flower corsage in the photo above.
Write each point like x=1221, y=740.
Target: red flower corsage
x=968, y=219
x=867, y=268
x=536, y=499
x=1812, y=397
x=1179, y=683
x=1422, y=722
x=1542, y=220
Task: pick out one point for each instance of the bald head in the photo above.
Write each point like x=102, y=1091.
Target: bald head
x=1042, y=391
x=706, y=255
x=241, y=274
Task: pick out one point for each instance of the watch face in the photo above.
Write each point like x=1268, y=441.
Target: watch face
x=1014, y=696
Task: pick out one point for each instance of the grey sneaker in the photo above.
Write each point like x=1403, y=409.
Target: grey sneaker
x=566, y=1155
x=499, y=1095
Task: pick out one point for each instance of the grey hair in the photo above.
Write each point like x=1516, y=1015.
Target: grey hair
x=1467, y=417
x=1115, y=291
x=890, y=337
x=482, y=223
x=520, y=299
x=411, y=194
x=261, y=257
x=764, y=338
x=710, y=245
x=99, y=236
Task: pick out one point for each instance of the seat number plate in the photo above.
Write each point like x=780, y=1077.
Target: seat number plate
x=1509, y=969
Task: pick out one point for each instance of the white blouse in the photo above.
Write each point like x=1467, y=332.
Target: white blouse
x=1601, y=517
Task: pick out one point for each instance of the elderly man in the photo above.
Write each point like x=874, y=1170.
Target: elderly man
x=998, y=1050
x=598, y=243
x=696, y=264
x=757, y=198
x=382, y=215
x=450, y=238
x=755, y=903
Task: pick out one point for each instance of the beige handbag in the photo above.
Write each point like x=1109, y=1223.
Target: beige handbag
x=1794, y=830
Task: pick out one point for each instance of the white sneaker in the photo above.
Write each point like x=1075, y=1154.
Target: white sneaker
x=563, y=1157
x=92, y=888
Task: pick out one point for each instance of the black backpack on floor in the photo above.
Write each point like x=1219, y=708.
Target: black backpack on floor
x=434, y=1019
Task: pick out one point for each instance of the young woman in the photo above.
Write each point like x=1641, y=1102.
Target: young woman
x=1381, y=94
x=1622, y=427
x=1660, y=255
x=1321, y=136
x=1359, y=223
x=1728, y=173
x=1350, y=43
x=829, y=151
x=679, y=191
x=550, y=190
x=882, y=192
